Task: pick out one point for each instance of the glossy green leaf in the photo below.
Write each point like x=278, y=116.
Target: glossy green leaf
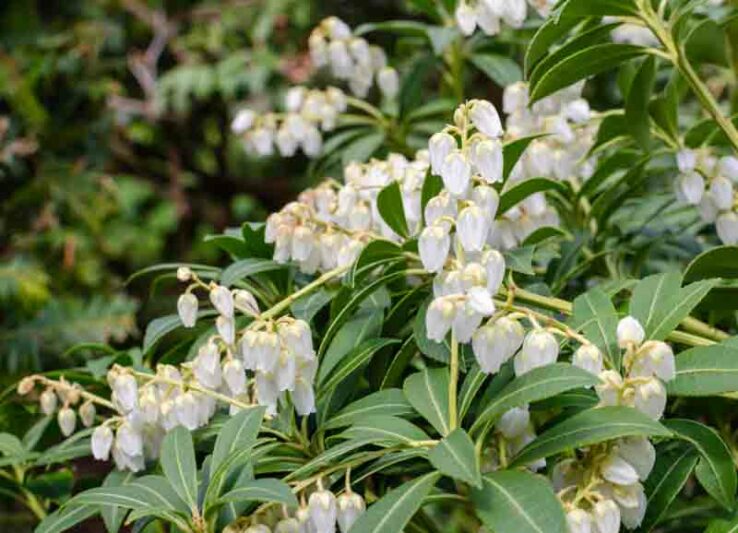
x=550, y=31
x=427, y=392
x=237, y=434
x=596, y=317
x=500, y=69
x=524, y=189
x=247, y=267
x=177, y=460
x=354, y=361
x=599, y=8
x=455, y=457
x=385, y=430
x=389, y=204
x=390, y=402
x=261, y=490
x=66, y=518
x=636, y=106
x=705, y=371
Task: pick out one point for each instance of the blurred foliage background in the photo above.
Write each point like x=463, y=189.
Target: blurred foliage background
x=115, y=152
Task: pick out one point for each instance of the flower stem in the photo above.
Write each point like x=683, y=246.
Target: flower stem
x=453, y=385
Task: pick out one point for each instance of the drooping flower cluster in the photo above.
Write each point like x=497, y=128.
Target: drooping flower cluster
x=351, y=58
x=307, y=114
x=708, y=182
x=489, y=15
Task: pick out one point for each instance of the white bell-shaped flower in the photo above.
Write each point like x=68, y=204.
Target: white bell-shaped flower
x=148, y=404
x=350, y=507
x=485, y=118
x=206, y=366
x=514, y=422
x=286, y=142
x=186, y=409
x=87, y=414
x=578, y=521
x=439, y=318
x=187, y=309
x=494, y=264
x=655, y=358
x=434, y=245
x=261, y=140
x=359, y=49
x=257, y=528
x=439, y=206
x=456, y=173
x=722, y=193
x=243, y=121
x=125, y=392
x=588, y=357
x=632, y=516
x=630, y=331
x=439, y=147
x=303, y=397
x=488, y=160
x=266, y=350
x=312, y=143
x=323, y=511
x=226, y=327
x=245, y=301
x=388, y=82
x=234, y=375
x=287, y=525
x=686, y=160
x=727, y=228
x=640, y=453
x=487, y=199
x=48, y=402
x=129, y=440
x=617, y=470
x=101, y=443
x=472, y=228
x=67, y=420
x=606, y=517
x=609, y=388
x=466, y=18
x=540, y=348
x=690, y=188
x=466, y=322
x=515, y=97
x=222, y=300
x=515, y=12
x=650, y=398
x=480, y=300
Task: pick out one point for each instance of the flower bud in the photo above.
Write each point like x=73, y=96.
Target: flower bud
x=440, y=146
x=101, y=442
x=287, y=525
x=488, y=160
x=434, y=245
x=606, y=517
x=630, y=331
x=350, y=507
x=187, y=309
x=388, y=81
x=655, y=358
x=323, y=512
x=226, y=327
x=492, y=345
x=588, y=357
x=727, y=228
x=608, y=390
x=472, y=228
x=456, y=173
x=579, y=521
x=125, y=392
x=485, y=118
x=617, y=470
x=245, y=301
x=466, y=18
x=439, y=318
x=67, y=420
x=222, y=300
x=242, y=122
x=540, y=348
x=722, y=193
x=686, y=160
x=48, y=401
x=514, y=422
x=87, y=414
x=650, y=398
x=690, y=188
x=26, y=385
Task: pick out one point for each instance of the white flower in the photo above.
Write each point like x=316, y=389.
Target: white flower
x=48, y=402
x=226, y=327
x=480, y=301
x=187, y=309
x=67, y=420
x=186, y=409
x=206, y=366
x=472, y=228
x=577, y=111
x=515, y=12
x=495, y=343
x=235, y=376
x=540, y=348
x=245, y=301
x=388, y=81
x=722, y=193
x=359, y=49
x=606, y=517
x=303, y=397
x=439, y=206
x=101, y=443
x=494, y=264
x=487, y=199
x=125, y=392
x=638, y=452
x=294, y=98
x=466, y=18
x=728, y=167
x=487, y=19
x=222, y=300
x=727, y=228
x=578, y=521
x=262, y=141
x=617, y=470
x=267, y=392
x=184, y=274
x=630, y=331
x=87, y=414
x=243, y=121
x=514, y=422
x=323, y=512
x=303, y=242
x=690, y=187
x=337, y=29
x=655, y=358
x=257, y=528
x=440, y=146
x=485, y=118
x=608, y=390
x=650, y=398
x=589, y=358
x=266, y=351
x=286, y=143
x=686, y=160
x=456, y=173
x=339, y=59
x=487, y=157
x=439, y=318
x=287, y=525
x=350, y=507
x=312, y=143
x=129, y=440
x=632, y=516
x=434, y=244
x=466, y=322
x=515, y=97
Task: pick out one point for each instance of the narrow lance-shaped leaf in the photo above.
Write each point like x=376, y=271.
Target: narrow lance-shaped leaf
x=427, y=392
x=596, y=317
x=178, y=463
x=454, y=456
x=389, y=204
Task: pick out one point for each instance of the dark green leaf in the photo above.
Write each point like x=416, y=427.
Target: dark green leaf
x=178, y=463
x=455, y=457
x=500, y=69
x=636, y=107
x=597, y=318
x=389, y=204
x=427, y=392
x=705, y=371
x=390, y=402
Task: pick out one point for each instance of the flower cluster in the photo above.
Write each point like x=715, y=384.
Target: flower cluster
x=513, y=431
x=351, y=58
x=62, y=397
x=308, y=113
x=489, y=14
x=707, y=182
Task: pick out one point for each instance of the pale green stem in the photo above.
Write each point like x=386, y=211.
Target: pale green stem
x=453, y=385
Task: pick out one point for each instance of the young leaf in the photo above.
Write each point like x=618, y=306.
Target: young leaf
x=455, y=457
x=590, y=427
x=389, y=204
x=390, y=402
x=538, y=384
x=706, y=371
x=177, y=460
x=715, y=470
x=597, y=318
x=518, y=502
x=427, y=392
x=671, y=471
x=395, y=509
x=588, y=62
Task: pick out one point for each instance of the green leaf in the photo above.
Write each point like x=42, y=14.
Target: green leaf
x=513, y=151
x=599, y=8
x=670, y=472
x=715, y=470
x=636, y=106
x=389, y=204
x=550, y=31
x=113, y=515
x=538, y=384
x=518, y=502
x=455, y=457
x=427, y=392
x=162, y=326
x=597, y=318
x=705, y=371
x=520, y=259
x=719, y=262
x=385, y=431
x=237, y=434
x=474, y=380
x=247, y=267
x=395, y=509
x=441, y=37
x=588, y=62
x=354, y=361
x=261, y=490
x=66, y=518
x=235, y=246
x=377, y=253
x=360, y=150
x=177, y=460
x=432, y=186
x=523, y=190
x=307, y=307
x=149, y=492
x=590, y=427
x=438, y=351
x=500, y=69
x=390, y=402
